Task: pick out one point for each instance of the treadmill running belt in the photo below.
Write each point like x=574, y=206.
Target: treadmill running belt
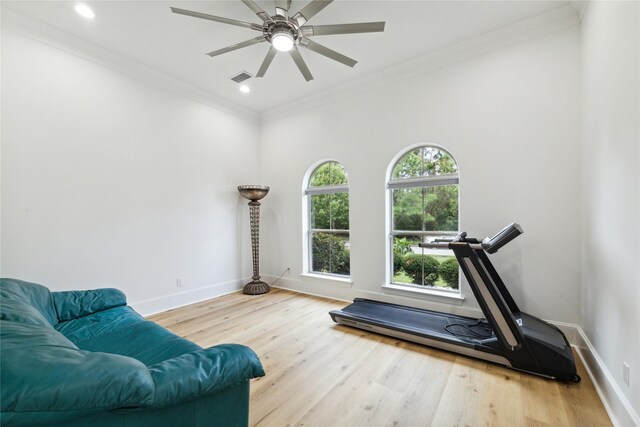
x=415, y=319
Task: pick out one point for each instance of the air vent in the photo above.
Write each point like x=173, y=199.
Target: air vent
x=241, y=77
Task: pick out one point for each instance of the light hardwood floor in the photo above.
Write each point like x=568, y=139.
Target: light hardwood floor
x=321, y=374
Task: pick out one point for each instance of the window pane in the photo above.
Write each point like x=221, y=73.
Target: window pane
x=409, y=165
x=441, y=208
x=426, y=208
x=320, y=211
x=437, y=162
x=339, y=205
x=423, y=266
x=329, y=173
x=403, y=247
x=330, y=211
x=408, y=209
x=448, y=272
x=330, y=253
x=425, y=161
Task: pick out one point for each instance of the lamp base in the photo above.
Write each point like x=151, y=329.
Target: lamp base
x=256, y=287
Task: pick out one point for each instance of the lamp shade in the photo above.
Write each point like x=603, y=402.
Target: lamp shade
x=253, y=192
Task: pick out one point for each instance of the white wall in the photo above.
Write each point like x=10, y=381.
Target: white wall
x=110, y=181
x=510, y=118
x=610, y=292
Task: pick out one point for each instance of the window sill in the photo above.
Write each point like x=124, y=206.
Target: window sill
x=429, y=294
x=334, y=280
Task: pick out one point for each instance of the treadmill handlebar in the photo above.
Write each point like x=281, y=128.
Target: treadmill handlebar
x=445, y=243
x=504, y=236
x=435, y=245
x=490, y=244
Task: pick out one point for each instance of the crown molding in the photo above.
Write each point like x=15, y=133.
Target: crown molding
x=580, y=6
x=528, y=29
x=39, y=31
x=538, y=26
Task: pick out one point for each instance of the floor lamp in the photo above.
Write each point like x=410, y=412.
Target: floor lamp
x=255, y=193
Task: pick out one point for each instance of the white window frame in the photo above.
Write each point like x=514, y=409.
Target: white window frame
x=418, y=182
x=308, y=231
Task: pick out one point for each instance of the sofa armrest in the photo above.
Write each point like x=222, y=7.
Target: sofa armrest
x=73, y=304
x=202, y=372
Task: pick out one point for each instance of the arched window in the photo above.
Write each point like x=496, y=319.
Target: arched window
x=423, y=195
x=327, y=195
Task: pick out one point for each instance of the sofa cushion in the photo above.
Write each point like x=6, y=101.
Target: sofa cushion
x=26, y=302
x=121, y=330
x=43, y=371
x=73, y=304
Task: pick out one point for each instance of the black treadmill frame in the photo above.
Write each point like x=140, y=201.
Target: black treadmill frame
x=517, y=347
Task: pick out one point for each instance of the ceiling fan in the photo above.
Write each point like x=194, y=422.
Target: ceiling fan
x=286, y=33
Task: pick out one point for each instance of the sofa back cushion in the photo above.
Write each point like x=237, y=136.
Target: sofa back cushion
x=73, y=304
x=121, y=330
x=26, y=302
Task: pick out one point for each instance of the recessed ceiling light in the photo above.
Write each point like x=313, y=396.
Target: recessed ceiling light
x=245, y=89
x=85, y=11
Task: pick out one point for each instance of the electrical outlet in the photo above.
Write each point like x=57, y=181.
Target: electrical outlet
x=179, y=283
x=625, y=372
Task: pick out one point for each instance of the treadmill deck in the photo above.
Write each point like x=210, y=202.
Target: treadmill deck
x=435, y=329
x=425, y=323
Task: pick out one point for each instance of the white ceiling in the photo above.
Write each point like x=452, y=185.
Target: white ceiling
x=147, y=32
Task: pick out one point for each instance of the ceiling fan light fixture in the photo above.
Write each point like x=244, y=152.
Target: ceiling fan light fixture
x=282, y=41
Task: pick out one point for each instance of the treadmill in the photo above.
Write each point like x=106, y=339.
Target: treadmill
x=506, y=335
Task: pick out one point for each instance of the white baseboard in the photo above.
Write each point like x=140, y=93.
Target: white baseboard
x=190, y=296
x=615, y=402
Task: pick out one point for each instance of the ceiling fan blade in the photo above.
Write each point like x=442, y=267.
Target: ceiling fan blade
x=326, y=30
x=302, y=66
x=310, y=10
x=283, y=4
x=282, y=8
x=237, y=46
x=257, y=10
x=267, y=61
x=332, y=54
x=217, y=19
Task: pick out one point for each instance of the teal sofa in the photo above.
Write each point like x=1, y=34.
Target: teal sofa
x=85, y=358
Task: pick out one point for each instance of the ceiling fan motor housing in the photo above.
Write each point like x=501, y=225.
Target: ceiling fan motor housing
x=281, y=26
